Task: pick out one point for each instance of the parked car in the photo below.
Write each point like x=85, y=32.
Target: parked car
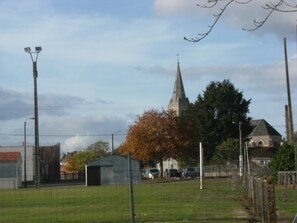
x=172, y=173
x=152, y=173
x=189, y=172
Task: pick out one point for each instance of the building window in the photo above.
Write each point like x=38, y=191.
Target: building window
x=260, y=143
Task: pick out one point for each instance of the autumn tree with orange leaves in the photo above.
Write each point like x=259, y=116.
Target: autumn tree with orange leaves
x=155, y=136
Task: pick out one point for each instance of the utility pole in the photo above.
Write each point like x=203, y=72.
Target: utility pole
x=112, y=143
x=240, y=151
x=290, y=122
x=290, y=116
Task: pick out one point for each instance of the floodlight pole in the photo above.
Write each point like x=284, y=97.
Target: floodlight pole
x=36, y=149
x=25, y=150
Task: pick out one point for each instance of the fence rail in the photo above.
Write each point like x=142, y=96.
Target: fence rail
x=287, y=178
x=218, y=170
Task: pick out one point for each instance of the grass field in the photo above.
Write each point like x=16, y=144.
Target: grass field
x=286, y=203
x=180, y=201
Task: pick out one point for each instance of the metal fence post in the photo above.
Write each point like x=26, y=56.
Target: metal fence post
x=131, y=189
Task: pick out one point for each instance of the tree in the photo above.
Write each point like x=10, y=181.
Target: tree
x=226, y=152
x=216, y=114
x=94, y=151
x=283, y=160
x=280, y=6
x=156, y=135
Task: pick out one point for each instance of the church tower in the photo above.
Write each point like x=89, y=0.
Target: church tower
x=179, y=102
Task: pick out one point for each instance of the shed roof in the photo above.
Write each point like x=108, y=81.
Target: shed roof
x=9, y=156
x=109, y=159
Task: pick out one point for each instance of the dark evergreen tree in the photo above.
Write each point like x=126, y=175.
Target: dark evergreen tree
x=216, y=114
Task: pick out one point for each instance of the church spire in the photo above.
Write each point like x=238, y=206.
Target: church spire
x=178, y=102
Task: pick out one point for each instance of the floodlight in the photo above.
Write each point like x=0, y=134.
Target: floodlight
x=38, y=48
x=27, y=49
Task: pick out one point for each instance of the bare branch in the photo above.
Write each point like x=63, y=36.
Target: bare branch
x=243, y=2
x=277, y=7
x=217, y=17
x=289, y=5
x=283, y=6
x=215, y=2
x=260, y=23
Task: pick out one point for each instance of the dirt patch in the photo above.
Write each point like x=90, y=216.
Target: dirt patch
x=245, y=215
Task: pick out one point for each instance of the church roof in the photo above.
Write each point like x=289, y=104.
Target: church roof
x=261, y=128
x=178, y=90
x=179, y=95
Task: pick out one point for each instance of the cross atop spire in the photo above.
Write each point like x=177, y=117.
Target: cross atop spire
x=178, y=102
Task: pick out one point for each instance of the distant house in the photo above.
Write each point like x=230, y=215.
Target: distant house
x=111, y=170
x=10, y=170
x=263, y=141
x=65, y=174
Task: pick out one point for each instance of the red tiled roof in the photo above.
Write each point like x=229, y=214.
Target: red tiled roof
x=10, y=156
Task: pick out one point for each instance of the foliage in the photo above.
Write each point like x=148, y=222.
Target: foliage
x=283, y=160
x=79, y=159
x=156, y=135
x=216, y=114
x=226, y=152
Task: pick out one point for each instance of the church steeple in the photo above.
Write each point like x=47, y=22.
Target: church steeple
x=178, y=102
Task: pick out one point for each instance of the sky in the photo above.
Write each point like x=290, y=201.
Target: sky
x=103, y=63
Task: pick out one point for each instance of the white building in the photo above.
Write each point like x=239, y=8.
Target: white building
x=28, y=159
x=10, y=170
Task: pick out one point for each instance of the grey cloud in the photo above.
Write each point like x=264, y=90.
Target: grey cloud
x=14, y=105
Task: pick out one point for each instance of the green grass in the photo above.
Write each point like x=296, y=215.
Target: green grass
x=180, y=201
x=286, y=202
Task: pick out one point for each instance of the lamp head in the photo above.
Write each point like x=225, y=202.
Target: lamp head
x=27, y=49
x=38, y=49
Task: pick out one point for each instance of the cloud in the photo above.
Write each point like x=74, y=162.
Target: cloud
x=83, y=38
x=252, y=77
x=75, y=143
x=14, y=105
x=174, y=7
x=78, y=132
x=157, y=70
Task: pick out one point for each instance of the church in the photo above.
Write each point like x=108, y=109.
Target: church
x=178, y=103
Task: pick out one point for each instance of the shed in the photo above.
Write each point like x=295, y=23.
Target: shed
x=111, y=170
x=10, y=170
